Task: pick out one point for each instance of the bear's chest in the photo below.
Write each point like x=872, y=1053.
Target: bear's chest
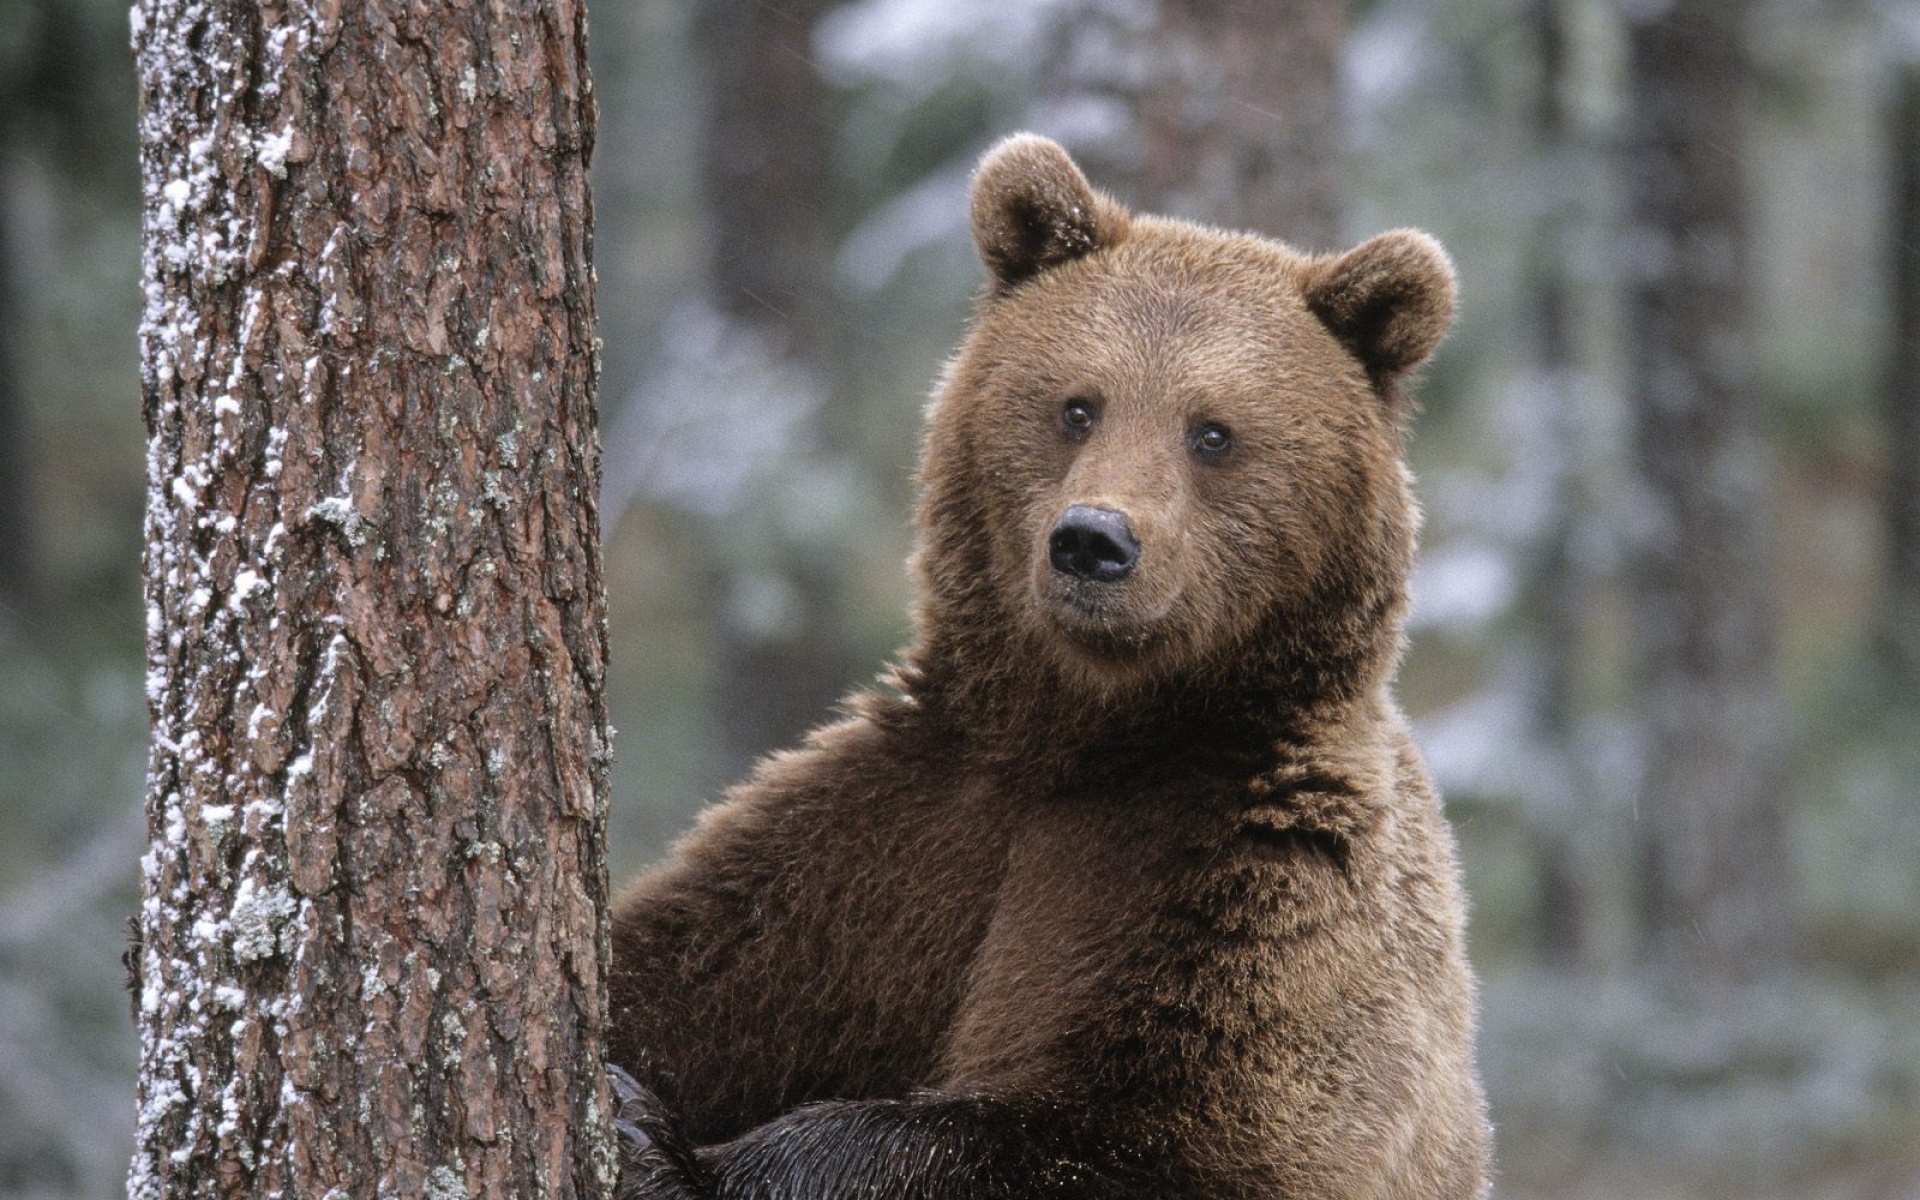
x=1203, y=860
x=1152, y=928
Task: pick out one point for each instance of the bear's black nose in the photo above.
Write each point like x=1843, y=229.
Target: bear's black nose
x=1093, y=543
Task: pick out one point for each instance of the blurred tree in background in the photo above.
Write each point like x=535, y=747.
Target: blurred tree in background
x=1714, y=895
x=1223, y=113
x=1900, y=596
x=1551, y=583
x=766, y=163
x=1657, y=654
x=72, y=720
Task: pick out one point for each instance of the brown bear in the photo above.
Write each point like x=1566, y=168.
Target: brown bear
x=1128, y=881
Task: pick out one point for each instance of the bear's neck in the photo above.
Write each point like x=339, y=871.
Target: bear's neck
x=1016, y=703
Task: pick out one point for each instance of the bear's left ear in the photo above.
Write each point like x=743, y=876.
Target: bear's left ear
x=1032, y=210
x=1389, y=300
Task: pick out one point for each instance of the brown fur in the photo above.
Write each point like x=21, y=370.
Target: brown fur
x=1162, y=859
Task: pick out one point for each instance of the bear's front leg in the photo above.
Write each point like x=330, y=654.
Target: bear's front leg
x=928, y=1147
x=656, y=1163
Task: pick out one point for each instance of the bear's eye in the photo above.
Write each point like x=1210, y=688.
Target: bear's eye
x=1078, y=416
x=1210, y=441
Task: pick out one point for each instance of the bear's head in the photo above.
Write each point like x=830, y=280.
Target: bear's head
x=1166, y=453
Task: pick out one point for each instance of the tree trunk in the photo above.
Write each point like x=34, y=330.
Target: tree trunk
x=19, y=563
x=373, y=924
x=1222, y=112
x=1716, y=882
x=1555, y=590
x=1900, y=605
x=765, y=162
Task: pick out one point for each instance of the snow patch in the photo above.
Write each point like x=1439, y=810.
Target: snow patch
x=716, y=374
x=931, y=213
x=245, y=584
x=1461, y=587
x=914, y=46
x=271, y=152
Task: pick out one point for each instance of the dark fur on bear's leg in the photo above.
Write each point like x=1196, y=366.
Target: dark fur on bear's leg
x=929, y=1147
x=655, y=1161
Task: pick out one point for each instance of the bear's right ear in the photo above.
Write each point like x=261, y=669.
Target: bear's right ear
x=1032, y=209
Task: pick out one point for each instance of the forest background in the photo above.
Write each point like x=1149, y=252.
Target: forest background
x=783, y=264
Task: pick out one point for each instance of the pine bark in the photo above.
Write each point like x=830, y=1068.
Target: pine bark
x=1900, y=600
x=1710, y=808
x=1231, y=112
x=373, y=931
